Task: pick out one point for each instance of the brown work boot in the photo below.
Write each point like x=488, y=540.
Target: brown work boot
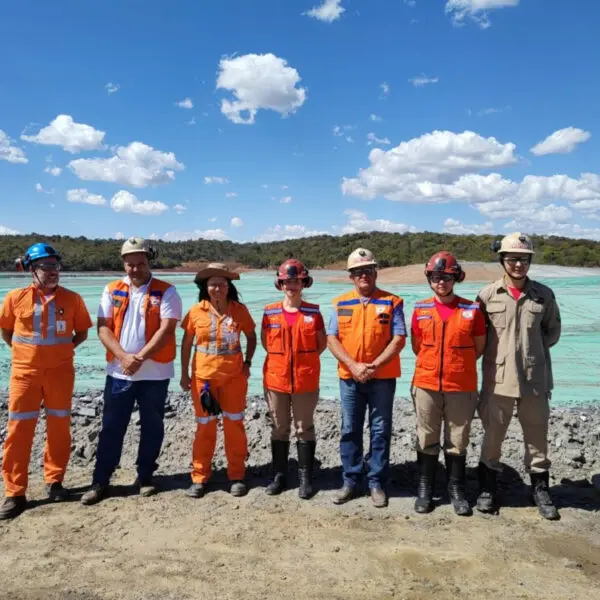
x=379, y=497
x=146, y=487
x=12, y=507
x=238, y=488
x=344, y=494
x=56, y=492
x=93, y=496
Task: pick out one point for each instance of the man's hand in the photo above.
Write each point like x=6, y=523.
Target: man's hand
x=185, y=382
x=246, y=370
x=130, y=364
x=362, y=372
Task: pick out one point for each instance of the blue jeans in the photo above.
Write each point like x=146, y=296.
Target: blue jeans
x=377, y=395
x=119, y=398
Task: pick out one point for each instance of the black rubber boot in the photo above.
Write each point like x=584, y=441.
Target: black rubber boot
x=306, y=458
x=487, y=501
x=12, y=507
x=427, y=467
x=279, y=450
x=540, y=492
x=456, y=467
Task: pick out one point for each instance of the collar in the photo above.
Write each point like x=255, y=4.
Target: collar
x=502, y=286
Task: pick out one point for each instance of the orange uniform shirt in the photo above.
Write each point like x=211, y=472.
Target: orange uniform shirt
x=218, y=350
x=43, y=326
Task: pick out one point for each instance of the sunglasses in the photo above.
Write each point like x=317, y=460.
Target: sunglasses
x=524, y=260
x=445, y=277
x=48, y=267
x=361, y=272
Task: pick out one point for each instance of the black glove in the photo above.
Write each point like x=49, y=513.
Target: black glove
x=209, y=402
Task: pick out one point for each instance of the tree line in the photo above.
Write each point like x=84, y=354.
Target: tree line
x=391, y=249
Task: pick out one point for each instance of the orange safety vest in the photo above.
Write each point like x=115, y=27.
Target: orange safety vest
x=446, y=361
x=292, y=365
x=365, y=330
x=119, y=296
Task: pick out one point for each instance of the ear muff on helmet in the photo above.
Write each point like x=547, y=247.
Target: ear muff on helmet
x=152, y=253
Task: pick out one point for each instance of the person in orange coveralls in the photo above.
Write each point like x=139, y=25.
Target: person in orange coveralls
x=42, y=323
x=220, y=373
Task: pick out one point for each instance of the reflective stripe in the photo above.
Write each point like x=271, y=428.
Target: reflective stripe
x=205, y=420
x=123, y=293
x=273, y=311
x=348, y=302
x=35, y=341
x=382, y=301
x=273, y=325
x=424, y=304
x=56, y=412
x=23, y=416
x=468, y=306
x=424, y=317
x=234, y=416
x=306, y=309
x=218, y=352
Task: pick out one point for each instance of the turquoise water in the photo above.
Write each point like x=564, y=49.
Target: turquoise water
x=576, y=359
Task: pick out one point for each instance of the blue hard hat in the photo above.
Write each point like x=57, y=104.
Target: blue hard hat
x=39, y=250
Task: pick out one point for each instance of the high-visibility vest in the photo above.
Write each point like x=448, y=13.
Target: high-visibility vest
x=446, y=361
x=119, y=296
x=365, y=330
x=43, y=327
x=292, y=364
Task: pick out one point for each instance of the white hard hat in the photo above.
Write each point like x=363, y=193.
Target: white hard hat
x=361, y=257
x=516, y=242
x=138, y=244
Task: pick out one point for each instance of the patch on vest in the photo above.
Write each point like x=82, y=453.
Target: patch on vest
x=379, y=309
x=308, y=319
x=467, y=314
x=154, y=301
x=116, y=302
x=344, y=312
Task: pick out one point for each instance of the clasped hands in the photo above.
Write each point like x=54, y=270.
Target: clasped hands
x=131, y=363
x=363, y=372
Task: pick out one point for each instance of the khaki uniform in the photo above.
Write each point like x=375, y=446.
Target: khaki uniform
x=517, y=368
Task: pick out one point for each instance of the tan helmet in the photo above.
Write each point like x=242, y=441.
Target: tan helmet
x=138, y=244
x=361, y=257
x=516, y=242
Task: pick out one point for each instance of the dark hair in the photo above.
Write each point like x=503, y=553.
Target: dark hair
x=232, y=293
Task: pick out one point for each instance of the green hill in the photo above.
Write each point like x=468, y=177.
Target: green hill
x=391, y=249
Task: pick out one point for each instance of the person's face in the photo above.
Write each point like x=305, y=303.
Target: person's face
x=292, y=288
x=137, y=267
x=442, y=284
x=217, y=288
x=364, y=279
x=46, y=271
x=516, y=265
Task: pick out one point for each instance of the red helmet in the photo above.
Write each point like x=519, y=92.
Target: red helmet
x=444, y=262
x=293, y=269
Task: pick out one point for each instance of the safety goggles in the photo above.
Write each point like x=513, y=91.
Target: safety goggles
x=367, y=271
x=445, y=277
x=513, y=260
x=48, y=267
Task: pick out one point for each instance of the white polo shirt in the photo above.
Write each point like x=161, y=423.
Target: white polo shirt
x=133, y=333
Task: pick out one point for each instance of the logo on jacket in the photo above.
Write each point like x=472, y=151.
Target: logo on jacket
x=467, y=314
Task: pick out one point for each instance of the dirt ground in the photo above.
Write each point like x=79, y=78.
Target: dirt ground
x=170, y=546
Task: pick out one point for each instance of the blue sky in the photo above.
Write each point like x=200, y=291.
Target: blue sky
x=271, y=119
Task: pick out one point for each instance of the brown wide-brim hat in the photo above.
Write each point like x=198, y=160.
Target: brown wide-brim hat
x=215, y=270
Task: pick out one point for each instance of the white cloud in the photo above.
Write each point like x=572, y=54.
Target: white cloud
x=288, y=232
x=374, y=117
x=373, y=139
x=410, y=3
x=540, y=220
x=561, y=141
x=231, y=195
x=575, y=231
x=186, y=103
x=286, y=200
x=40, y=188
x=124, y=201
x=328, y=12
x=70, y=136
x=425, y=169
x=8, y=231
x=359, y=222
x=212, y=179
x=456, y=227
x=285, y=187
x=422, y=80
x=119, y=235
x=196, y=234
x=491, y=111
x=12, y=154
x=112, y=88
x=236, y=222
x=259, y=82
x=192, y=121
x=54, y=171
x=81, y=195
x=385, y=88
x=212, y=219
x=137, y=165
x=341, y=130
x=179, y=209
x=476, y=10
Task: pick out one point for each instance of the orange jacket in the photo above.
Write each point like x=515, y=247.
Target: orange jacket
x=292, y=365
x=119, y=293
x=446, y=361
x=43, y=327
x=365, y=330
x=218, y=353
